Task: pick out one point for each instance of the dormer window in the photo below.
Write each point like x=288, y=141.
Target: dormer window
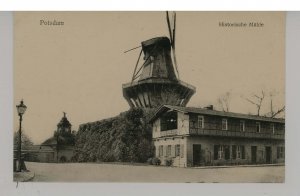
x=224, y=124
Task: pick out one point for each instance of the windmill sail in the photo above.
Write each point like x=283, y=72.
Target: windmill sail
x=171, y=21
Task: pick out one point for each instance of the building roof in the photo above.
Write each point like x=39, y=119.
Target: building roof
x=36, y=148
x=205, y=111
x=157, y=40
x=50, y=141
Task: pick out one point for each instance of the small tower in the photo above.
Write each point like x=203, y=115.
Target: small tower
x=64, y=126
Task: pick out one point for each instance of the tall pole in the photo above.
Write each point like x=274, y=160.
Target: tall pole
x=57, y=137
x=20, y=144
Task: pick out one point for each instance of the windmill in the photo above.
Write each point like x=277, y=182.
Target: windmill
x=155, y=82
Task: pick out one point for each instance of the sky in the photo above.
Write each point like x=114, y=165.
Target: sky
x=79, y=68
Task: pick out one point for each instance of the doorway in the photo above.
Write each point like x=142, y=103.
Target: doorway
x=268, y=154
x=196, y=154
x=253, y=154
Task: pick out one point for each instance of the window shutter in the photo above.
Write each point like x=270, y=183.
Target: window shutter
x=177, y=150
x=233, y=152
x=216, y=148
x=243, y=152
x=161, y=151
x=227, y=152
x=182, y=150
x=173, y=150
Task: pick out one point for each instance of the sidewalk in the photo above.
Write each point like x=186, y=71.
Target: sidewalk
x=234, y=166
x=23, y=176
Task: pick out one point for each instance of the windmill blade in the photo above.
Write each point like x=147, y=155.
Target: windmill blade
x=173, y=43
x=171, y=21
x=175, y=61
x=172, y=37
x=169, y=27
x=136, y=65
x=174, y=27
x=132, y=49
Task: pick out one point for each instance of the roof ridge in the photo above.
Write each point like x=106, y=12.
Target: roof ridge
x=217, y=113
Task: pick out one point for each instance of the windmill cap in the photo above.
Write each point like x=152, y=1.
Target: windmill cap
x=162, y=41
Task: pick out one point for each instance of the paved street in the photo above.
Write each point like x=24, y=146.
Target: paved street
x=92, y=172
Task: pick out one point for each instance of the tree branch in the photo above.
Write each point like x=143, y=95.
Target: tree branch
x=278, y=112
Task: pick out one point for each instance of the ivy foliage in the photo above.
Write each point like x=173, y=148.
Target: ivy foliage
x=124, y=138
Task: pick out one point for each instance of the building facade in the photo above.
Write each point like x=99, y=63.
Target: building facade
x=189, y=137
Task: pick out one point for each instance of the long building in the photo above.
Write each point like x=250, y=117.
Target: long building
x=189, y=137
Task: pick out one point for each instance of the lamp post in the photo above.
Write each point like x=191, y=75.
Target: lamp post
x=21, y=108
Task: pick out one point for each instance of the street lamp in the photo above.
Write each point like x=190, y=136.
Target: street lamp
x=21, y=110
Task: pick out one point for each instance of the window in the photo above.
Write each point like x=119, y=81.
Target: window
x=280, y=152
x=257, y=127
x=168, y=150
x=272, y=128
x=161, y=151
x=177, y=150
x=238, y=152
x=201, y=122
x=242, y=125
x=220, y=152
x=224, y=124
x=168, y=121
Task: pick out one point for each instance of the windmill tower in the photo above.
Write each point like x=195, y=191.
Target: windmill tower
x=155, y=82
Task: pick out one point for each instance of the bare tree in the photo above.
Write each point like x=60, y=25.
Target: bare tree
x=278, y=112
x=25, y=140
x=224, y=101
x=273, y=114
x=257, y=100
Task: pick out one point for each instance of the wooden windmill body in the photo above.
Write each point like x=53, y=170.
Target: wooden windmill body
x=155, y=82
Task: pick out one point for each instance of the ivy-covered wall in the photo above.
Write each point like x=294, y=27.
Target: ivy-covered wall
x=124, y=138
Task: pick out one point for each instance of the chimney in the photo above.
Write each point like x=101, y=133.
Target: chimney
x=209, y=107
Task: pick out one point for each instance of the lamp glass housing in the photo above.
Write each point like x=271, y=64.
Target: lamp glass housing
x=21, y=108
